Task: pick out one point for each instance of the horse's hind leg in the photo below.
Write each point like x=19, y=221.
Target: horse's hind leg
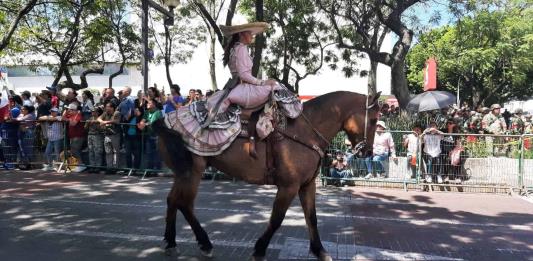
x=307, y=199
x=283, y=200
x=182, y=197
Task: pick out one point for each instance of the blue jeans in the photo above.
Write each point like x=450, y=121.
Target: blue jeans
x=151, y=153
x=10, y=146
x=26, y=145
x=377, y=162
x=132, y=144
x=53, y=149
x=356, y=163
x=335, y=173
x=433, y=164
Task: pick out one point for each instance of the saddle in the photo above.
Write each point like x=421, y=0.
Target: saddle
x=249, y=119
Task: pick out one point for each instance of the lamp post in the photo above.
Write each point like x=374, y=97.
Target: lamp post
x=169, y=20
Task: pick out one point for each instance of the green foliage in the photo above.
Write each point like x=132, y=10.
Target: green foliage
x=298, y=41
x=66, y=30
x=488, y=55
x=477, y=149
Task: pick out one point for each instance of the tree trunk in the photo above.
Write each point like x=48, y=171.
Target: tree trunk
x=372, y=77
x=168, y=53
x=399, y=83
x=212, y=62
x=117, y=73
x=259, y=39
x=69, y=83
x=59, y=73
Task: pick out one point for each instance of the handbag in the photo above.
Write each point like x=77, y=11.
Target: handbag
x=455, y=155
x=413, y=160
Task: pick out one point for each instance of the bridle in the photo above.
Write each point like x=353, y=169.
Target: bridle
x=357, y=148
x=362, y=144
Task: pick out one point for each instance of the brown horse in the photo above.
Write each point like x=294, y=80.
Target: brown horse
x=323, y=118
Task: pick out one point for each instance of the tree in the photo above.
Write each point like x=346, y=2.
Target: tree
x=8, y=7
x=298, y=41
x=489, y=56
x=364, y=17
x=175, y=44
x=359, y=30
x=124, y=40
x=63, y=32
x=210, y=16
x=213, y=9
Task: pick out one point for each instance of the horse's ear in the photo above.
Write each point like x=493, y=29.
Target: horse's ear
x=374, y=98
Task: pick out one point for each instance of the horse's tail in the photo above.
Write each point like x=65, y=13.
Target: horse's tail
x=172, y=148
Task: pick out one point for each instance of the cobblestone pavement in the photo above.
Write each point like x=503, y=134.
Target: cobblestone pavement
x=46, y=216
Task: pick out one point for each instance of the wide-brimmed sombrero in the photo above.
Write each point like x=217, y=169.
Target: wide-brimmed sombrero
x=254, y=28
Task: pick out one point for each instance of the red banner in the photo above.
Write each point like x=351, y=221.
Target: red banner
x=430, y=75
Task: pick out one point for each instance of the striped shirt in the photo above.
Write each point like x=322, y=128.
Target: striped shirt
x=54, y=130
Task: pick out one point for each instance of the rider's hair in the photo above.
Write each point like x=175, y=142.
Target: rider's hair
x=227, y=51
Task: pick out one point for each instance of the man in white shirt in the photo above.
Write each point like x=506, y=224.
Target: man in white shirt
x=431, y=137
x=383, y=147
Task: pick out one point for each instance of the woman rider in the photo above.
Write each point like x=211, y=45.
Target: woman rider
x=251, y=92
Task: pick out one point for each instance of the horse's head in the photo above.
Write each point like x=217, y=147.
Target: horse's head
x=354, y=125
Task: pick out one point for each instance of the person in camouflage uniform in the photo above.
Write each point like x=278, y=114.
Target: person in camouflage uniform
x=95, y=139
x=517, y=124
x=473, y=124
x=484, y=111
x=493, y=123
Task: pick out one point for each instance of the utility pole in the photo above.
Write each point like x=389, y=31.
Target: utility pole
x=169, y=20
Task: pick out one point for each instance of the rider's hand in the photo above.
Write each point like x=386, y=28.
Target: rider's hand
x=271, y=82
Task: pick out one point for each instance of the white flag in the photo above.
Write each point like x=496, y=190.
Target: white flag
x=5, y=98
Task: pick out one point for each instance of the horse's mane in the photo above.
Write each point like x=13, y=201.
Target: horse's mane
x=327, y=99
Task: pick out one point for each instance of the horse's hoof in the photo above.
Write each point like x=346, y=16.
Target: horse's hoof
x=173, y=251
x=259, y=258
x=207, y=253
x=324, y=256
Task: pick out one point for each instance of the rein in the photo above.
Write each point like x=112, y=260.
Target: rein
x=314, y=147
x=357, y=148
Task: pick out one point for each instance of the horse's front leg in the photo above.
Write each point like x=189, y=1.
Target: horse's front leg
x=170, y=228
x=307, y=196
x=283, y=200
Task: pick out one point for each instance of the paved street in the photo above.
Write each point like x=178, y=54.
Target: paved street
x=101, y=217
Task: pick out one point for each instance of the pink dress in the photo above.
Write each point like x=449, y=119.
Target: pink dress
x=219, y=135
x=250, y=93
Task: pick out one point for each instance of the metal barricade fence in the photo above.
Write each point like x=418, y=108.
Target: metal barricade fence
x=495, y=162
x=24, y=145
x=464, y=160
x=126, y=150
x=367, y=170
x=526, y=166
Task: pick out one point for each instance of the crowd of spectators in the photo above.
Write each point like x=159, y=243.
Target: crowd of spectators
x=442, y=153
x=483, y=120
x=112, y=130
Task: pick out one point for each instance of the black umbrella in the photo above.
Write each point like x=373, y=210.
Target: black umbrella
x=431, y=100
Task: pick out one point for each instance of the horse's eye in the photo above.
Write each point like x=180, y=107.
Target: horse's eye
x=373, y=121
